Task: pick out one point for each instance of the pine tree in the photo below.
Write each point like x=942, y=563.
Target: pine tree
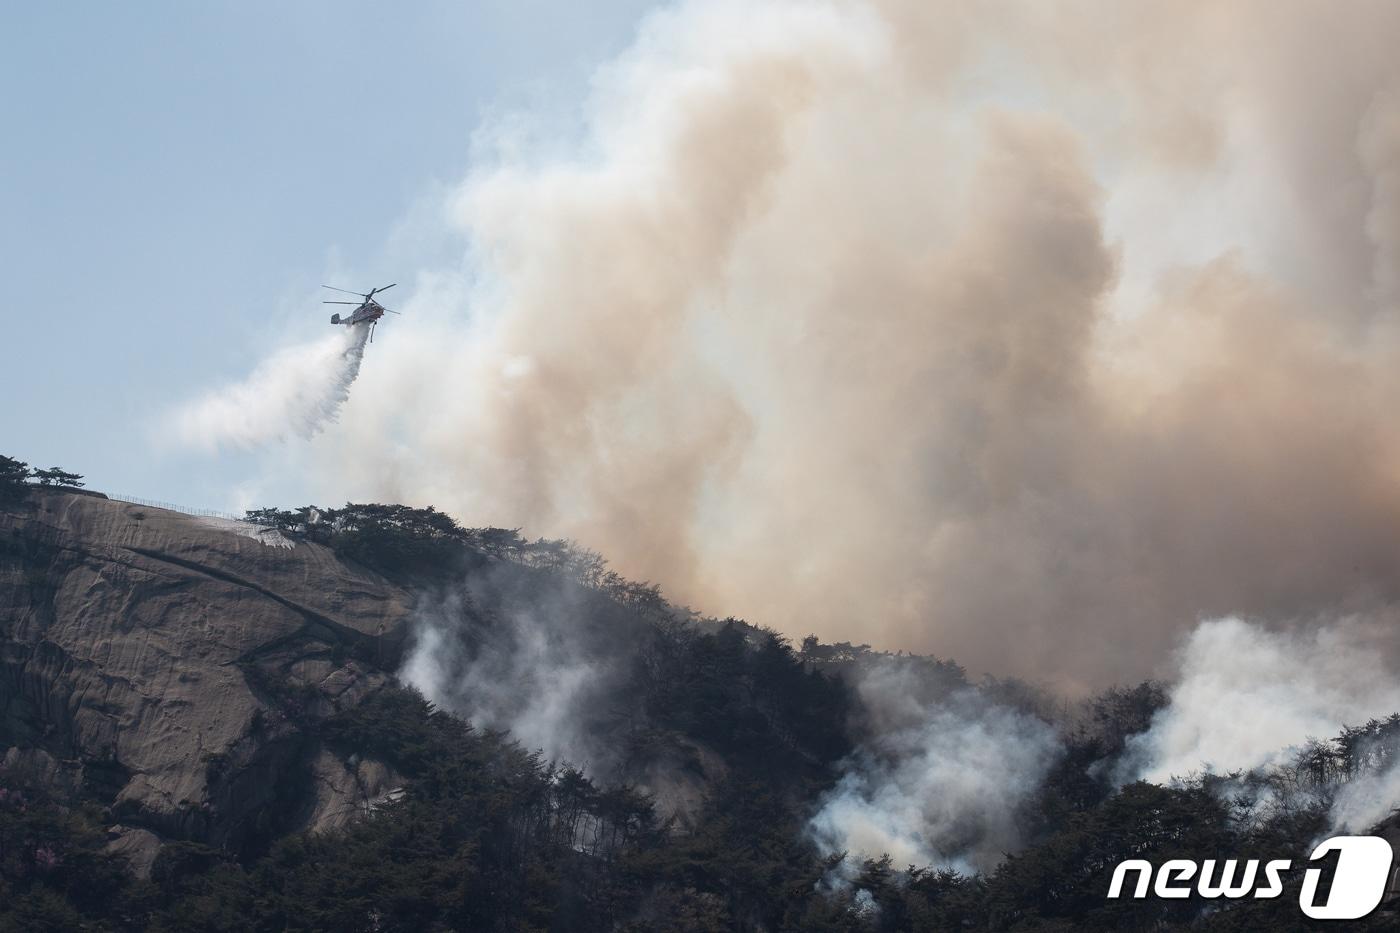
x=54, y=476
x=14, y=475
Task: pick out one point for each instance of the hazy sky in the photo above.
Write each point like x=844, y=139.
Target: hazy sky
x=177, y=178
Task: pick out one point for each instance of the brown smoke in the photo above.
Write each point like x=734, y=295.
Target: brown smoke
x=1018, y=333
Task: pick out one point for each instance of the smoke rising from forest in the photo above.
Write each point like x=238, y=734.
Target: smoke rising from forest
x=943, y=777
x=1279, y=688
x=526, y=666
x=296, y=392
x=938, y=781
x=1281, y=691
x=1024, y=339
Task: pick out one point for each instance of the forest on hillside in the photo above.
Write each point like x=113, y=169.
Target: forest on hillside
x=492, y=834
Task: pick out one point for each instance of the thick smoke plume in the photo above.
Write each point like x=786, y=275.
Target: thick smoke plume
x=294, y=393
x=1024, y=335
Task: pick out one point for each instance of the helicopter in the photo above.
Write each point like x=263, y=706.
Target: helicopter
x=367, y=311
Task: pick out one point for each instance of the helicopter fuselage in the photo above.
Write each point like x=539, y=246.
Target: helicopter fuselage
x=366, y=313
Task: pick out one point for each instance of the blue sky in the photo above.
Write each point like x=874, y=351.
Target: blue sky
x=177, y=178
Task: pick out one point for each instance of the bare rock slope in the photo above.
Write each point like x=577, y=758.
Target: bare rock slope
x=169, y=667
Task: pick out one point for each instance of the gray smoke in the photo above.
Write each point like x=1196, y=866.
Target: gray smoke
x=553, y=663
x=525, y=663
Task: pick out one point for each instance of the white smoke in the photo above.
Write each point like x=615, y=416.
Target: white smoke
x=527, y=666
x=1248, y=699
x=526, y=689
x=1363, y=802
x=937, y=782
x=1247, y=695
x=296, y=392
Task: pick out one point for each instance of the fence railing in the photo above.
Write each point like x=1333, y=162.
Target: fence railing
x=172, y=507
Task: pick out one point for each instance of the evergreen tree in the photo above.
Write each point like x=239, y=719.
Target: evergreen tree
x=14, y=476
x=54, y=476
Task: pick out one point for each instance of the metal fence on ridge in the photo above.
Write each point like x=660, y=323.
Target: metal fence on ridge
x=172, y=507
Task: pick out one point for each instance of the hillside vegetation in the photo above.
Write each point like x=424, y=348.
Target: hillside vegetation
x=488, y=834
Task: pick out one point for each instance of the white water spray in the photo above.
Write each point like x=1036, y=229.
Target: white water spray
x=295, y=392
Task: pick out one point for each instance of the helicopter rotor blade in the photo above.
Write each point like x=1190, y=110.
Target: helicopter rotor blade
x=386, y=287
x=342, y=302
x=345, y=290
x=392, y=311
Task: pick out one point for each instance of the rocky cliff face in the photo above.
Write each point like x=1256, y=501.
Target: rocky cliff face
x=171, y=668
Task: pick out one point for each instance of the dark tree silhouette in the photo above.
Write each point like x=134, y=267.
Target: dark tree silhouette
x=55, y=476
x=14, y=476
